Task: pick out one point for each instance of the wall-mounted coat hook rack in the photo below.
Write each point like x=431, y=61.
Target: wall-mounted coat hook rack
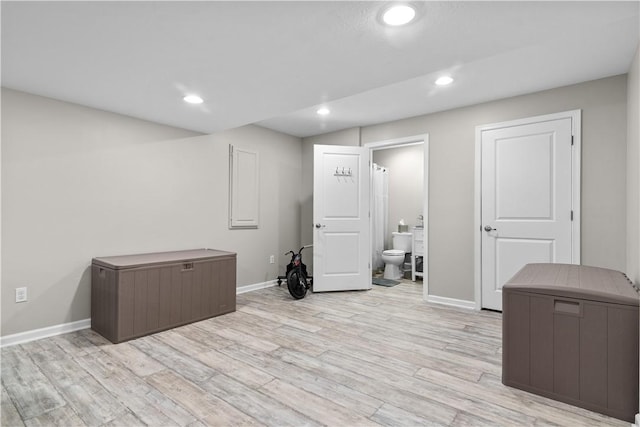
x=343, y=172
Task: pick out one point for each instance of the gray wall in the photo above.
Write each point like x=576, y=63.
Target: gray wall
x=633, y=170
x=79, y=183
x=451, y=174
x=406, y=184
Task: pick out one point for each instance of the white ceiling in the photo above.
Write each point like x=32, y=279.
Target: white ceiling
x=274, y=63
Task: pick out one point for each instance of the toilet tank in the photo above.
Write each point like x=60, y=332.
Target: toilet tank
x=401, y=241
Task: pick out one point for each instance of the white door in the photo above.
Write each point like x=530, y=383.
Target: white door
x=526, y=200
x=341, y=239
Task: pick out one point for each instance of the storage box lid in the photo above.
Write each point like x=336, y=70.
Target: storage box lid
x=575, y=281
x=142, y=260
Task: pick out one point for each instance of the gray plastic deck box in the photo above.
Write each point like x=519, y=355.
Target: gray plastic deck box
x=570, y=333
x=136, y=295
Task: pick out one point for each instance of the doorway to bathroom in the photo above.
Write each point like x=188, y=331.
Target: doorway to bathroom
x=399, y=208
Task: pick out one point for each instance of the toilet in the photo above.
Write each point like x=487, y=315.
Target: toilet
x=394, y=258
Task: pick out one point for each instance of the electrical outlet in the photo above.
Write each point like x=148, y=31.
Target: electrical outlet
x=21, y=294
x=272, y=259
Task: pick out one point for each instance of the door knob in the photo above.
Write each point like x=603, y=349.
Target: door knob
x=489, y=228
x=320, y=225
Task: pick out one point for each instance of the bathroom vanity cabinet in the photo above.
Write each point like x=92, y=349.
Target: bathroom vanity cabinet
x=417, y=251
x=136, y=295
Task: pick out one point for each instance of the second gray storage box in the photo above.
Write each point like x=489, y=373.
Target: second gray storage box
x=570, y=333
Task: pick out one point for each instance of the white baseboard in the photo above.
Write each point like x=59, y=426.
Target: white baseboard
x=637, y=424
x=460, y=303
x=49, y=331
x=255, y=287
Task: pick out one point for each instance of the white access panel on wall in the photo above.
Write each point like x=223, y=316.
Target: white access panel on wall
x=244, y=188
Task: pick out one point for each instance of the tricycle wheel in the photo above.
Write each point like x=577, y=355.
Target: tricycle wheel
x=297, y=284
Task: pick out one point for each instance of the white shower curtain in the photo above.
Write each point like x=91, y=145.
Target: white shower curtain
x=379, y=214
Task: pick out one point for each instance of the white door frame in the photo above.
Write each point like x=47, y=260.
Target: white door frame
x=399, y=142
x=576, y=154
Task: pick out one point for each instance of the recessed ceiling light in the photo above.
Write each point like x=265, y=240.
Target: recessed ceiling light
x=399, y=15
x=193, y=99
x=323, y=111
x=444, y=80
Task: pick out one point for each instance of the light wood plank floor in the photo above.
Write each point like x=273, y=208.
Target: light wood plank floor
x=379, y=357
